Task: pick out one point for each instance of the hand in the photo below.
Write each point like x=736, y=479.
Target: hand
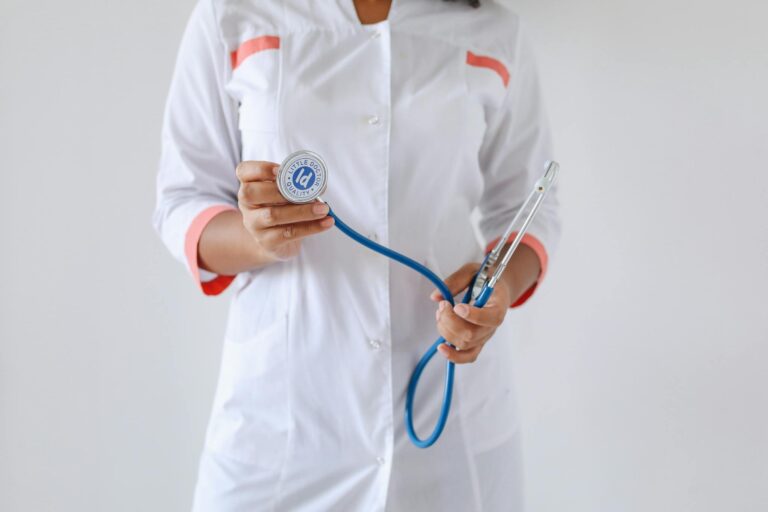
x=277, y=225
x=466, y=327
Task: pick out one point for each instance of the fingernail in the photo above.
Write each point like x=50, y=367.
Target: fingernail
x=443, y=304
x=462, y=310
x=320, y=209
x=327, y=222
x=275, y=170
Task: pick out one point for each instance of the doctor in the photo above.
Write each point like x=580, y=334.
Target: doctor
x=424, y=111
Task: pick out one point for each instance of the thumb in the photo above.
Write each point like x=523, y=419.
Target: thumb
x=457, y=281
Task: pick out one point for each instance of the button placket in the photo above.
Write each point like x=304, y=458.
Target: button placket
x=377, y=117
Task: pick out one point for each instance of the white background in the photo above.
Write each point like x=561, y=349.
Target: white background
x=641, y=364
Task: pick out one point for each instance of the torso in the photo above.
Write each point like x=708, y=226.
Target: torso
x=319, y=350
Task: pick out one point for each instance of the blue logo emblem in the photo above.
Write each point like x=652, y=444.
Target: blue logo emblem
x=302, y=177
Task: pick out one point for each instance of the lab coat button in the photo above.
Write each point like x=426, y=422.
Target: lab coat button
x=375, y=34
x=374, y=237
x=375, y=344
x=373, y=120
x=380, y=460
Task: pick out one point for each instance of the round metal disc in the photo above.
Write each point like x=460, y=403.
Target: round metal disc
x=302, y=177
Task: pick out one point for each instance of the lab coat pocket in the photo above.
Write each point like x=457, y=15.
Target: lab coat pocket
x=251, y=417
x=259, y=126
x=256, y=84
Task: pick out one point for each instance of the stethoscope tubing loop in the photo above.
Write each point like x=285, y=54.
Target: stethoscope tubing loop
x=450, y=366
x=450, y=369
x=430, y=353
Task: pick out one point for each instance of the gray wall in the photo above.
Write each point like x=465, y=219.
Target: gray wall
x=641, y=364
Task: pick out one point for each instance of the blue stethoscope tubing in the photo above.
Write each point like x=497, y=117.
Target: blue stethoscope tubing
x=481, y=300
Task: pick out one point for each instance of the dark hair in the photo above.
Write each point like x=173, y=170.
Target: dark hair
x=473, y=3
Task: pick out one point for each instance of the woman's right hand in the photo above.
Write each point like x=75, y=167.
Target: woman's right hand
x=277, y=225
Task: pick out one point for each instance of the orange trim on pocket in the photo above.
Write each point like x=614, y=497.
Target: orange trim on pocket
x=535, y=244
x=483, y=61
x=191, y=241
x=252, y=46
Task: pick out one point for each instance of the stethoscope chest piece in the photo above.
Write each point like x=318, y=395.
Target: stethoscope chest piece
x=302, y=177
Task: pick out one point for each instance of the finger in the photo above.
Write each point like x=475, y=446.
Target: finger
x=459, y=356
x=458, y=280
x=270, y=216
x=456, y=330
x=490, y=316
x=256, y=170
x=255, y=194
x=279, y=235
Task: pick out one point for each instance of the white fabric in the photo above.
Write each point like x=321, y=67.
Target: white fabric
x=308, y=413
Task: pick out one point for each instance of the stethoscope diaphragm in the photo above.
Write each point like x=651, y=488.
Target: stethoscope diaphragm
x=302, y=177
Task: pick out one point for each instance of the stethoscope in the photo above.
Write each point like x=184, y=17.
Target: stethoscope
x=303, y=177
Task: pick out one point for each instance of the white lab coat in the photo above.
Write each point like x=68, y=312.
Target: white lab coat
x=421, y=119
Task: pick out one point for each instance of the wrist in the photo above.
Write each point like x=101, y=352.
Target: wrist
x=521, y=273
x=258, y=256
x=510, y=286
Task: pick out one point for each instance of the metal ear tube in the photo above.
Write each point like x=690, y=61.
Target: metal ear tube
x=536, y=196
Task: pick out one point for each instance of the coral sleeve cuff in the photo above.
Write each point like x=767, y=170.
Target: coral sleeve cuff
x=534, y=243
x=219, y=283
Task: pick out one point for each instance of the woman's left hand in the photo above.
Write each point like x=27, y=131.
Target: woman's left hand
x=466, y=327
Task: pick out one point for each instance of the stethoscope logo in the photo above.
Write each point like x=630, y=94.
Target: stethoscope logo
x=302, y=177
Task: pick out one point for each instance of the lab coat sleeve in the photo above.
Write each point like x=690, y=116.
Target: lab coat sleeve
x=200, y=146
x=513, y=156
